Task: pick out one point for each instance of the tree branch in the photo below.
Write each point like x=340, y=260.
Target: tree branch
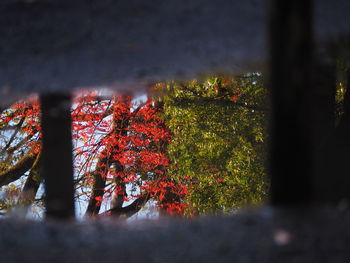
x=32, y=184
x=13, y=136
x=130, y=210
x=207, y=101
x=98, y=186
x=17, y=170
x=10, y=150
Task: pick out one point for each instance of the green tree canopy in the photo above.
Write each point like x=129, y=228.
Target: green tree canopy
x=218, y=146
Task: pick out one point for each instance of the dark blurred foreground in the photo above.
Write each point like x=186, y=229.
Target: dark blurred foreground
x=265, y=235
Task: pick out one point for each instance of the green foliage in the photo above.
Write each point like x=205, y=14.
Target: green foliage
x=218, y=144
x=341, y=87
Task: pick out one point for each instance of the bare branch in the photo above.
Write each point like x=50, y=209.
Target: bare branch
x=130, y=210
x=19, y=169
x=13, y=136
x=98, y=186
x=221, y=102
x=31, y=185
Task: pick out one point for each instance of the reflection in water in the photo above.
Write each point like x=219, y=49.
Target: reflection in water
x=186, y=149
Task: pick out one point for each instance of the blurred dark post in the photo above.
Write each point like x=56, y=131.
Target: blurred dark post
x=290, y=63
x=57, y=156
x=332, y=182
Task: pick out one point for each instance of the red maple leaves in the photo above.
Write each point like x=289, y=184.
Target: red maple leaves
x=122, y=143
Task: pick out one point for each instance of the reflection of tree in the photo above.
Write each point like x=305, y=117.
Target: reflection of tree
x=212, y=131
x=218, y=144
x=114, y=140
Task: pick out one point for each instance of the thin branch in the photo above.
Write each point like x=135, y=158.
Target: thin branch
x=207, y=101
x=13, y=136
x=10, y=150
x=134, y=113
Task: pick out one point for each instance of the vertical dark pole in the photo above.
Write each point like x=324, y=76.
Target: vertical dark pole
x=290, y=82
x=57, y=156
x=331, y=180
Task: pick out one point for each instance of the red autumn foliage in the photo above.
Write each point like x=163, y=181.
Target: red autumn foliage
x=118, y=144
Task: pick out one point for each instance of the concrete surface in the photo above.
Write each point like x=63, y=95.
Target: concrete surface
x=56, y=45
x=264, y=235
